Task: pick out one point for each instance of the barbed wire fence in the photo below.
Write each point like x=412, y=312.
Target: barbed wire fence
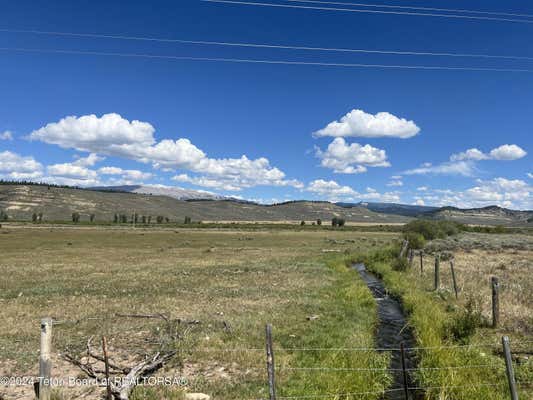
x=272, y=371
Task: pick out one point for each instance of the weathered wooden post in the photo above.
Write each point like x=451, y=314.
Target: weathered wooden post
x=509, y=367
x=405, y=245
x=45, y=363
x=109, y=395
x=437, y=272
x=404, y=371
x=453, y=278
x=495, y=302
x=421, y=262
x=411, y=257
x=270, y=363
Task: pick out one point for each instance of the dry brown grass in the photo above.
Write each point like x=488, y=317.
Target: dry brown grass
x=479, y=257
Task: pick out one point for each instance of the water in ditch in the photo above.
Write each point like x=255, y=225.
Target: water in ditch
x=391, y=332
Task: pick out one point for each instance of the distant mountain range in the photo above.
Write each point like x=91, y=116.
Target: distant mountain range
x=392, y=208
x=162, y=190
x=20, y=201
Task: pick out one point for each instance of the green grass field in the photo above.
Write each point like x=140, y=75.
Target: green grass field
x=232, y=281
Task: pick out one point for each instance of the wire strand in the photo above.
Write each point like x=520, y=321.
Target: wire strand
x=413, y=8
x=419, y=14
x=262, y=61
x=265, y=45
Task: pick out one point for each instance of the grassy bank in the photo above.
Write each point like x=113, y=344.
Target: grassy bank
x=466, y=370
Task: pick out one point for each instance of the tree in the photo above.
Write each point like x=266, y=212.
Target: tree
x=337, y=222
x=34, y=217
x=149, y=219
x=302, y=223
x=319, y=221
x=187, y=220
x=123, y=219
x=159, y=219
x=75, y=217
x=143, y=219
x=3, y=215
x=167, y=220
x=115, y=219
x=40, y=217
x=91, y=217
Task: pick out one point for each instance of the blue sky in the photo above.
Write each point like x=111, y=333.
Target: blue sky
x=88, y=119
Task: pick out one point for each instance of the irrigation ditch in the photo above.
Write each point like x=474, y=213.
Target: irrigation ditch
x=393, y=334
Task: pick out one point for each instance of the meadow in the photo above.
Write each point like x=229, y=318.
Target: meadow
x=218, y=289
x=207, y=293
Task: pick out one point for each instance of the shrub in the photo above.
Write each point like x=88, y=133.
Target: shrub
x=302, y=223
x=75, y=217
x=115, y=218
x=34, y=217
x=432, y=229
x=337, y=222
x=341, y=222
x=463, y=325
x=149, y=219
x=187, y=220
x=159, y=219
x=3, y=215
x=319, y=221
x=143, y=219
x=400, y=264
x=91, y=217
x=416, y=240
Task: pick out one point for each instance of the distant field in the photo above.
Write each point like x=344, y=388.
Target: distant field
x=231, y=281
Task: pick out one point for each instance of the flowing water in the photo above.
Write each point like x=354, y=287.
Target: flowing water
x=392, y=331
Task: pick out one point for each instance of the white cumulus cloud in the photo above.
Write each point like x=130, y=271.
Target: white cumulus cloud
x=115, y=136
x=358, y=123
x=464, y=168
x=506, y=152
x=352, y=158
x=6, y=135
x=17, y=167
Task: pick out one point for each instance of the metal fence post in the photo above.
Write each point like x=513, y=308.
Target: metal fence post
x=509, y=366
x=270, y=363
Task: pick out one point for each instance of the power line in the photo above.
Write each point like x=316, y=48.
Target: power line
x=265, y=46
x=418, y=14
x=261, y=61
x=413, y=8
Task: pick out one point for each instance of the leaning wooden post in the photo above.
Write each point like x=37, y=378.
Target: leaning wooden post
x=405, y=245
x=437, y=272
x=270, y=363
x=421, y=262
x=45, y=363
x=453, y=278
x=404, y=371
x=509, y=367
x=495, y=302
x=109, y=395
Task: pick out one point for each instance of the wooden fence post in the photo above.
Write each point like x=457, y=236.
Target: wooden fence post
x=109, y=395
x=45, y=363
x=509, y=367
x=453, y=278
x=270, y=363
x=405, y=245
x=437, y=272
x=495, y=302
x=421, y=262
x=411, y=257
